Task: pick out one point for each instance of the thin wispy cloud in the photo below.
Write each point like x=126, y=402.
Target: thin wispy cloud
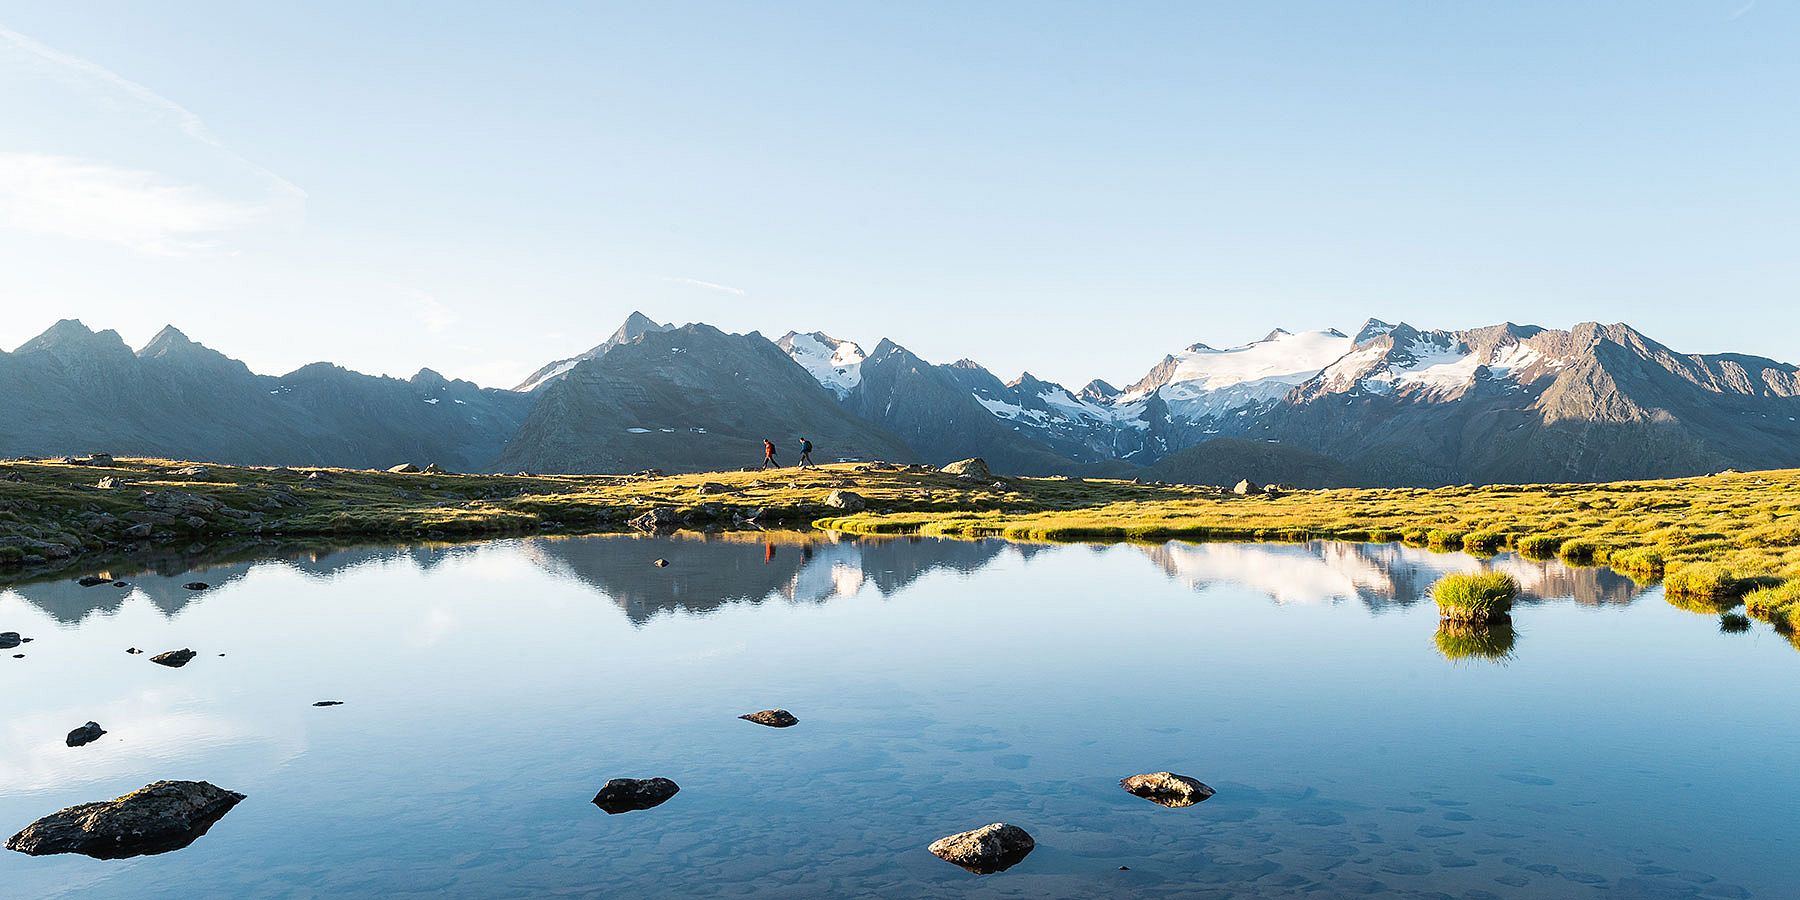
x=90, y=199
x=1742, y=11
x=433, y=314
x=708, y=285
x=96, y=202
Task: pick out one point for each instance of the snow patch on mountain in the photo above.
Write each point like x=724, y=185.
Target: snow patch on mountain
x=834, y=363
x=1203, y=382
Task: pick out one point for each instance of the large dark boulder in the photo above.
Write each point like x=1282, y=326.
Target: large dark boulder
x=848, y=501
x=629, y=794
x=157, y=818
x=986, y=850
x=86, y=734
x=975, y=467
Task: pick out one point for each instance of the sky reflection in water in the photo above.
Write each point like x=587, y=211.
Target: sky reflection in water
x=491, y=689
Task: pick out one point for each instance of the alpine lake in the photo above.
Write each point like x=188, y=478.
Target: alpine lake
x=1608, y=744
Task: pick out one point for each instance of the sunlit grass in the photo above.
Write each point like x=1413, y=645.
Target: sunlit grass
x=1704, y=580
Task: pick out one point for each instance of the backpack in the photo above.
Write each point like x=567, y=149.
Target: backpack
x=805, y=446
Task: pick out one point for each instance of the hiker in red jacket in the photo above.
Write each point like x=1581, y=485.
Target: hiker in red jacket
x=769, y=454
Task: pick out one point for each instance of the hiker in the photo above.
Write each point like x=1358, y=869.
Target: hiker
x=769, y=454
x=806, y=455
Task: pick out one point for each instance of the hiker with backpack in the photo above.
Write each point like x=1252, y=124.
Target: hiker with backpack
x=769, y=454
x=806, y=455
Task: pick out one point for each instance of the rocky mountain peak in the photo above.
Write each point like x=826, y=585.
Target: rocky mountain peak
x=1371, y=330
x=70, y=336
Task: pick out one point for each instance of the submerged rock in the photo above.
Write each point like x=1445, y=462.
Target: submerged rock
x=157, y=818
x=630, y=794
x=661, y=563
x=9, y=640
x=974, y=467
x=92, y=580
x=1167, y=789
x=329, y=703
x=986, y=850
x=86, y=734
x=196, y=585
x=774, y=718
x=174, y=659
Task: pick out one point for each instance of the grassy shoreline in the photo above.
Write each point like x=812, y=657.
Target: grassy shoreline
x=1714, y=537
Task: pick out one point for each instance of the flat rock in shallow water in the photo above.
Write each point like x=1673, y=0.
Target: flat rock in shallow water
x=92, y=580
x=174, y=659
x=86, y=734
x=1167, y=789
x=329, y=703
x=986, y=850
x=196, y=585
x=774, y=718
x=9, y=640
x=630, y=794
x=156, y=818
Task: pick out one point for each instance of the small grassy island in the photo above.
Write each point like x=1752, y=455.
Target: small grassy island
x=1475, y=599
x=1714, y=538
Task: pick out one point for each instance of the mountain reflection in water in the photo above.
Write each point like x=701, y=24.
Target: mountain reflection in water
x=707, y=572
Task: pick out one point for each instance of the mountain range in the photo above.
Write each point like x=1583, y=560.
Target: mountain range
x=1385, y=405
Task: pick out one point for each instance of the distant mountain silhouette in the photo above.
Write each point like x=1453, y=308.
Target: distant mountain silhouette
x=1387, y=405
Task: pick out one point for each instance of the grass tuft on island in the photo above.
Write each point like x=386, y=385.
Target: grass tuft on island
x=1475, y=599
x=1745, y=525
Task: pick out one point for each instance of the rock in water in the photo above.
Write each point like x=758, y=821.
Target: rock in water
x=86, y=734
x=156, y=818
x=848, y=501
x=986, y=850
x=196, y=585
x=1167, y=788
x=329, y=703
x=629, y=794
x=9, y=640
x=661, y=518
x=92, y=580
x=661, y=563
x=974, y=467
x=774, y=718
x=174, y=659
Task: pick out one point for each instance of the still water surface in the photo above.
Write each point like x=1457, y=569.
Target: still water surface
x=1626, y=749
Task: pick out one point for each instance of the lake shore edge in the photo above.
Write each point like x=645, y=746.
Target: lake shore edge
x=1716, y=537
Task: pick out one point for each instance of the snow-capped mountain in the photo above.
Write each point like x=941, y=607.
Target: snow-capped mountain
x=1392, y=405
x=1201, y=383
x=833, y=363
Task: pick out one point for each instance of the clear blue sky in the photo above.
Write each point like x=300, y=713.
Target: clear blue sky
x=1073, y=189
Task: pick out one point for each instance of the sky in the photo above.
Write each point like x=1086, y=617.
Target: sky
x=1070, y=189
